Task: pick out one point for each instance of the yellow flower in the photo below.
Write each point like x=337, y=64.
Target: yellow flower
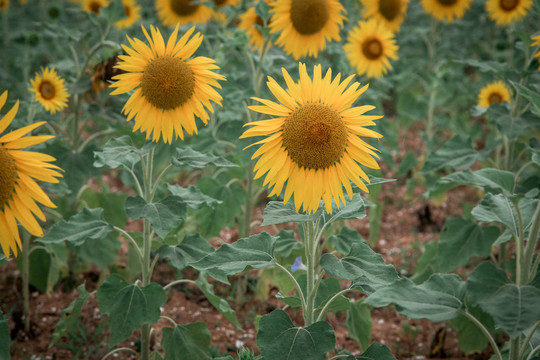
x=19, y=171
x=312, y=142
x=133, y=14
x=448, y=10
x=4, y=5
x=369, y=46
x=389, y=12
x=536, y=43
x=495, y=92
x=181, y=12
x=306, y=25
x=248, y=20
x=506, y=12
x=93, y=6
x=50, y=90
x=169, y=89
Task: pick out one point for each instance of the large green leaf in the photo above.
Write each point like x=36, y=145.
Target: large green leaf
x=191, y=341
x=192, y=196
x=256, y=251
x=364, y=267
x=438, y=299
x=279, y=339
x=286, y=243
x=70, y=315
x=457, y=153
x=492, y=178
x=276, y=212
x=359, y=323
x=471, y=339
x=498, y=208
x=164, y=215
x=511, y=126
x=343, y=241
x=103, y=251
x=88, y=224
x=219, y=303
x=327, y=289
x=192, y=248
x=355, y=209
x=186, y=156
x=129, y=306
x=529, y=94
x=121, y=152
x=375, y=351
x=44, y=272
x=461, y=239
x=5, y=339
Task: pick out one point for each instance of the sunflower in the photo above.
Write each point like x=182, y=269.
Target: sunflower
x=536, y=43
x=181, y=12
x=220, y=16
x=133, y=14
x=506, y=12
x=18, y=189
x=369, y=46
x=4, y=5
x=313, y=140
x=390, y=12
x=496, y=92
x=50, y=90
x=169, y=90
x=93, y=6
x=448, y=10
x=248, y=20
x=306, y=25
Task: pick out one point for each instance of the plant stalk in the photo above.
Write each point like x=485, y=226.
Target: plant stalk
x=532, y=241
x=486, y=333
x=26, y=281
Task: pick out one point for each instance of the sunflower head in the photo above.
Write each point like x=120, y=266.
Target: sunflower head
x=313, y=140
x=181, y=12
x=248, y=20
x=50, y=90
x=369, y=47
x=536, y=43
x=446, y=10
x=19, y=170
x=170, y=89
x=389, y=12
x=220, y=4
x=495, y=92
x=4, y=5
x=506, y=12
x=133, y=14
x=93, y=6
x=306, y=25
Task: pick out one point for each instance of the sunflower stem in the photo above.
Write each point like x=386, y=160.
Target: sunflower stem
x=26, y=281
x=311, y=244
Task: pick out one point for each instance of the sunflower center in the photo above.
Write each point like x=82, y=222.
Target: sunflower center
x=309, y=16
x=167, y=82
x=389, y=8
x=95, y=6
x=127, y=10
x=8, y=176
x=183, y=7
x=47, y=91
x=508, y=5
x=220, y=2
x=372, y=48
x=447, y=2
x=495, y=98
x=315, y=136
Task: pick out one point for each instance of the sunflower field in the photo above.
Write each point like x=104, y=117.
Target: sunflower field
x=270, y=179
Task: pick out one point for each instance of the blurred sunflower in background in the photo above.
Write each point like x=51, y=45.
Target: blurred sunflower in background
x=506, y=12
x=93, y=6
x=389, y=12
x=133, y=15
x=448, y=10
x=50, y=90
x=181, y=12
x=220, y=16
x=306, y=25
x=19, y=171
x=369, y=47
x=4, y=5
x=168, y=89
x=495, y=92
x=248, y=20
x=312, y=142
x=536, y=43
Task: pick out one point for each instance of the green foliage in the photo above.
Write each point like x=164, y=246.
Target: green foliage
x=279, y=339
x=5, y=339
x=186, y=341
x=192, y=196
x=186, y=156
x=471, y=339
x=374, y=352
x=219, y=303
x=129, y=306
x=457, y=153
x=359, y=323
x=119, y=152
x=192, y=248
x=343, y=241
x=70, y=315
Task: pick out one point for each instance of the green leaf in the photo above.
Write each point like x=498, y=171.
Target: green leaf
x=359, y=323
x=43, y=273
x=471, y=339
x=70, y=315
x=456, y=153
x=5, y=339
x=364, y=267
x=263, y=10
x=461, y=239
x=88, y=224
x=327, y=289
x=276, y=212
x=408, y=163
x=492, y=178
x=111, y=203
x=511, y=127
x=114, y=12
x=428, y=264
x=129, y=306
x=498, y=208
x=355, y=209
x=485, y=66
x=219, y=303
x=192, y=248
x=103, y=251
x=343, y=241
x=279, y=339
x=188, y=157
x=191, y=341
x=376, y=351
x=254, y=252
x=438, y=299
x=164, y=215
x=286, y=243
x=121, y=152
x=531, y=95
x=192, y=196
